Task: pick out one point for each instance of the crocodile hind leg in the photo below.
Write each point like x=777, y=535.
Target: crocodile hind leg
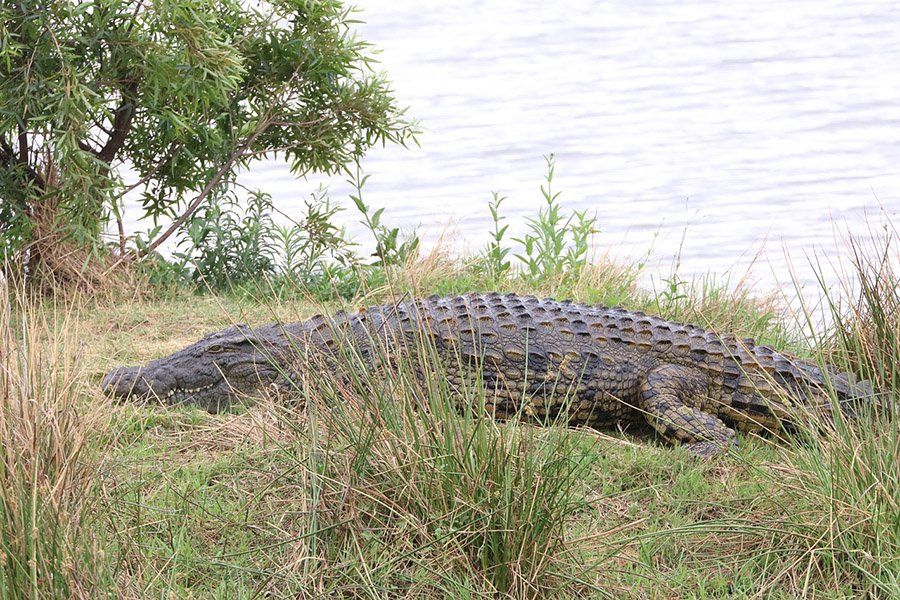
x=668, y=400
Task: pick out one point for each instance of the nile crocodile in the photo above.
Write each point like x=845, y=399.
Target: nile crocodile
x=595, y=365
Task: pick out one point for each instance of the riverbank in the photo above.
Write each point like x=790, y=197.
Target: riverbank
x=302, y=500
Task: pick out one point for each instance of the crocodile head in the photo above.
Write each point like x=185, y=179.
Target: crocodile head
x=211, y=373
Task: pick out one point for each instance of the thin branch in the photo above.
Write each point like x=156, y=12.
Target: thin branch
x=292, y=124
x=137, y=9
x=87, y=147
x=121, y=228
x=150, y=175
x=300, y=124
x=102, y=127
x=23, y=145
x=210, y=185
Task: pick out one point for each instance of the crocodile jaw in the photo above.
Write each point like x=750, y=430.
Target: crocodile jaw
x=146, y=384
x=213, y=373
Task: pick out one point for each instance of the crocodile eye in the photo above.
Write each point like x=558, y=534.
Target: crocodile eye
x=215, y=349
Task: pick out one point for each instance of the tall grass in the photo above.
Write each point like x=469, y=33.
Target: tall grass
x=835, y=522
x=831, y=524
x=852, y=472
x=47, y=548
x=408, y=471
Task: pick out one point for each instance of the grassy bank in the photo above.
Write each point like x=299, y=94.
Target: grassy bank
x=353, y=493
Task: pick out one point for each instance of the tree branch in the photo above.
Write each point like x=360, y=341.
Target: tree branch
x=235, y=156
x=8, y=155
x=23, y=146
x=87, y=147
x=121, y=125
x=121, y=227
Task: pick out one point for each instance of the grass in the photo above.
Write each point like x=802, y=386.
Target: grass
x=378, y=491
x=48, y=460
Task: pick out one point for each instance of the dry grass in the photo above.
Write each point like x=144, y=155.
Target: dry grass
x=48, y=459
x=60, y=266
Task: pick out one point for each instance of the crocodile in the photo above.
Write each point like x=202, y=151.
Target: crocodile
x=591, y=365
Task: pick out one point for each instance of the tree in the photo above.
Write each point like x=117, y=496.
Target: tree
x=170, y=98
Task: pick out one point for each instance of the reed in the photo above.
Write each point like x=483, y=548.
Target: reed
x=47, y=461
x=849, y=475
x=449, y=490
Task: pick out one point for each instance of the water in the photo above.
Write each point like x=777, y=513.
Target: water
x=739, y=128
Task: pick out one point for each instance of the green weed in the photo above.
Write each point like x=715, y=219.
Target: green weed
x=495, y=261
x=392, y=248
x=557, y=244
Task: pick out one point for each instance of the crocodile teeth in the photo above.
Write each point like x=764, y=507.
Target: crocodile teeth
x=182, y=391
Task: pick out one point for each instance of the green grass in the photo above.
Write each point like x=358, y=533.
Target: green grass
x=372, y=490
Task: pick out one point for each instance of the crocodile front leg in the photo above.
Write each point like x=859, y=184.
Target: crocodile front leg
x=668, y=400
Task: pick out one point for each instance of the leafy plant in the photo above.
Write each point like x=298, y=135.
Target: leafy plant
x=238, y=243
x=314, y=254
x=670, y=300
x=557, y=245
x=232, y=242
x=495, y=261
x=226, y=243
x=392, y=248
x=308, y=245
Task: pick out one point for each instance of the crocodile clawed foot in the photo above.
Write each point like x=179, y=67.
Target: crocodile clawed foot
x=706, y=450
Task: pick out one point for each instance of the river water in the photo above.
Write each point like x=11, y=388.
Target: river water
x=729, y=130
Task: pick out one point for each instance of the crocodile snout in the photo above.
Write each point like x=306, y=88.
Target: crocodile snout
x=127, y=382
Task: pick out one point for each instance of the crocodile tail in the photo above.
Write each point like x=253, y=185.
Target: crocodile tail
x=852, y=395
x=857, y=397
x=799, y=374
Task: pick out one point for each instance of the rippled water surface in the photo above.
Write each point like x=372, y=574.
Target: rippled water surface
x=754, y=125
